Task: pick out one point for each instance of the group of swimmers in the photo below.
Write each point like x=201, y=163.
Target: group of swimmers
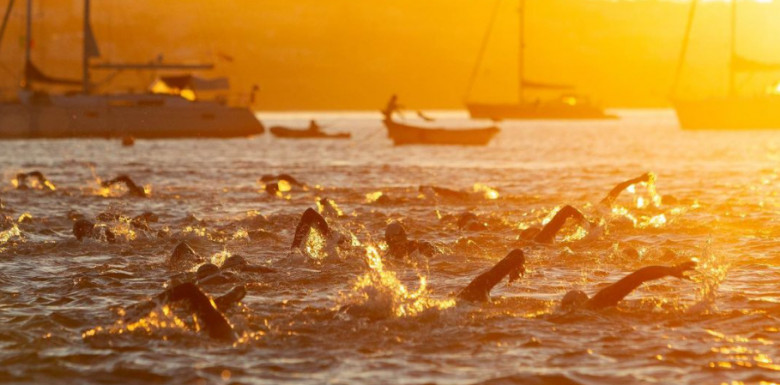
x=211, y=312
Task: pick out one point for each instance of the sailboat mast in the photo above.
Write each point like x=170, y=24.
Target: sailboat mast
x=521, y=53
x=27, y=44
x=683, y=49
x=732, y=58
x=5, y=19
x=85, y=51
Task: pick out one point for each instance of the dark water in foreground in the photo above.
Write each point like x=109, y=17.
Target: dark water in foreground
x=61, y=300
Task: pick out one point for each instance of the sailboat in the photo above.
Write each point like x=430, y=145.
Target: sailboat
x=84, y=113
x=732, y=111
x=567, y=105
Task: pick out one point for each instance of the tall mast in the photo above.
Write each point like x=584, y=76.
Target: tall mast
x=683, y=49
x=85, y=52
x=5, y=19
x=733, y=55
x=27, y=44
x=521, y=53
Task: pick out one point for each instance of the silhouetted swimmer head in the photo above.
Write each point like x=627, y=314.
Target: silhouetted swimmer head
x=83, y=228
x=395, y=234
x=630, y=252
x=272, y=188
x=206, y=270
x=235, y=262
x=183, y=256
x=573, y=299
x=669, y=200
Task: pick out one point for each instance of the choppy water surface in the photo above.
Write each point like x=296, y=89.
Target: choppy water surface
x=61, y=301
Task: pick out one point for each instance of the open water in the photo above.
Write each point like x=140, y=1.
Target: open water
x=64, y=303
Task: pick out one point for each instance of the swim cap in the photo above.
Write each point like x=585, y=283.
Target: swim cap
x=573, y=299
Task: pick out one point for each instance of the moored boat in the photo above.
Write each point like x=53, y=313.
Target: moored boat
x=404, y=134
x=36, y=113
x=296, y=133
x=737, y=109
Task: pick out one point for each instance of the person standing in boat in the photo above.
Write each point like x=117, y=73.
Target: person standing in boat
x=392, y=106
x=314, y=127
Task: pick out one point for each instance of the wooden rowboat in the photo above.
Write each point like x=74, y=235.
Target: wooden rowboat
x=403, y=134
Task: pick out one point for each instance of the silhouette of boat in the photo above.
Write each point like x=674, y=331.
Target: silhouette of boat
x=732, y=111
x=566, y=104
x=403, y=134
x=38, y=114
x=310, y=133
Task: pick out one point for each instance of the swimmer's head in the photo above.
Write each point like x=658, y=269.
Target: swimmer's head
x=234, y=262
x=466, y=219
x=206, y=270
x=573, y=299
x=83, y=228
x=395, y=234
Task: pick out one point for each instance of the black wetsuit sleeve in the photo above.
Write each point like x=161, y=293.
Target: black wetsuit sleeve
x=614, y=293
x=309, y=219
x=620, y=187
x=547, y=235
x=479, y=288
x=215, y=322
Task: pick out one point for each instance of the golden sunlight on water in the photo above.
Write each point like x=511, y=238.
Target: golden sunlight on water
x=360, y=306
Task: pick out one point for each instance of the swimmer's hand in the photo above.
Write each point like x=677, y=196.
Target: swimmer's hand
x=514, y=275
x=678, y=270
x=646, y=177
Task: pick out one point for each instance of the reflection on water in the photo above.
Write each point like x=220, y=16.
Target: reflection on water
x=349, y=313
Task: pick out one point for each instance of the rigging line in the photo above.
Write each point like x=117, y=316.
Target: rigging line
x=5, y=19
x=683, y=49
x=482, y=47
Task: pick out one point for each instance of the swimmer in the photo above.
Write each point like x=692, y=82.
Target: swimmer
x=614, y=293
x=444, y=192
x=83, y=228
x=513, y=265
x=21, y=180
x=211, y=313
x=209, y=273
x=470, y=221
x=548, y=232
x=132, y=188
x=399, y=246
x=329, y=208
x=608, y=200
x=282, y=177
x=312, y=221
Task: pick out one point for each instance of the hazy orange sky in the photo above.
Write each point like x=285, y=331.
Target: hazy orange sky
x=346, y=54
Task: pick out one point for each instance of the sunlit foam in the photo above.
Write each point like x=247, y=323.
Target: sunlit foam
x=487, y=191
x=314, y=246
x=328, y=208
x=156, y=320
x=550, y=215
x=379, y=292
x=220, y=257
x=284, y=186
x=24, y=217
x=712, y=269
x=373, y=196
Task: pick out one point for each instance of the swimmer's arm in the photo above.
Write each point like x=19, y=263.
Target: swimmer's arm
x=215, y=322
x=547, y=235
x=612, y=294
x=479, y=288
x=613, y=194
